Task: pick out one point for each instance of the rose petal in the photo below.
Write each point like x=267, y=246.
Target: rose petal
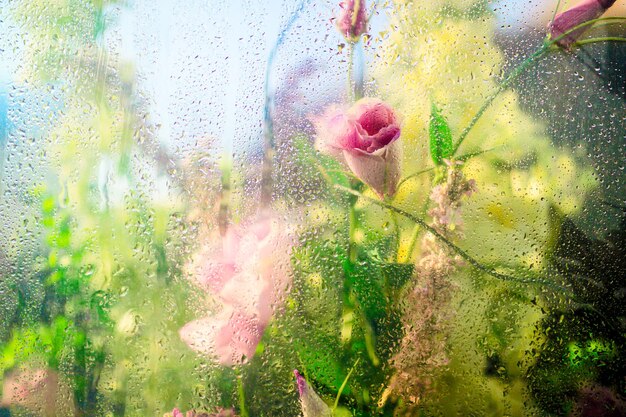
x=380, y=169
x=337, y=130
x=373, y=115
x=231, y=336
x=384, y=137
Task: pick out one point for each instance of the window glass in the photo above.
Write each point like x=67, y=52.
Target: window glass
x=312, y=208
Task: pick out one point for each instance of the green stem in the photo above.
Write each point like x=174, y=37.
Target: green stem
x=396, y=230
x=413, y=175
x=224, y=198
x=416, y=232
x=80, y=373
x=452, y=246
x=351, y=84
x=345, y=382
x=120, y=393
x=605, y=39
x=94, y=380
x=466, y=157
x=242, y=397
x=339, y=171
x=501, y=87
x=348, y=267
x=348, y=304
x=370, y=340
x=463, y=158
x=352, y=219
x=556, y=10
x=414, y=235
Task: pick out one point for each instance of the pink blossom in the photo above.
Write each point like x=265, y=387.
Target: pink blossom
x=248, y=275
x=352, y=19
x=448, y=196
x=365, y=137
x=582, y=12
x=38, y=390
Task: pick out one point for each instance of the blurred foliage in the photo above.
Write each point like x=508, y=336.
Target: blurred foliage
x=583, y=344
x=443, y=52
x=101, y=303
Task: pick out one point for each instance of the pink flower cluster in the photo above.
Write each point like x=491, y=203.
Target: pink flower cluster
x=422, y=352
x=365, y=136
x=248, y=274
x=447, y=197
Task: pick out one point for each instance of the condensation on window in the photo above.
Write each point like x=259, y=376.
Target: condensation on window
x=312, y=208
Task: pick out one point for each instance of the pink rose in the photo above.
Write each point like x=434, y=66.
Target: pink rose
x=352, y=19
x=582, y=12
x=365, y=136
x=249, y=275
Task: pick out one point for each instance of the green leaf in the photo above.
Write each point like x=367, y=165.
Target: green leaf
x=368, y=289
x=342, y=412
x=321, y=358
x=441, y=145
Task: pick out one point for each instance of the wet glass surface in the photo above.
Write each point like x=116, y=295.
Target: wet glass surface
x=312, y=208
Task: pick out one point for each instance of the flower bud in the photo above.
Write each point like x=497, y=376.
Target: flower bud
x=352, y=19
x=365, y=137
x=312, y=404
x=582, y=12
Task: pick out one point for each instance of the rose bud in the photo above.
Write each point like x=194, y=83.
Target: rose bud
x=582, y=12
x=352, y=19
x=365, y=137
x=312, y=404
